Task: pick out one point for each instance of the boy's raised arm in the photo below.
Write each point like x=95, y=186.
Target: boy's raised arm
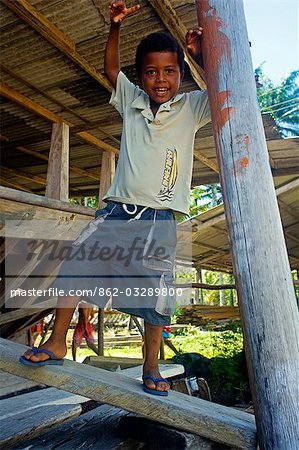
x=118, y=12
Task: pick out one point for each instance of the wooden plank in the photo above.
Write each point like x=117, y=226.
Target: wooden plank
x=266, y=296
x=12, y=316
x=29, y=414
x=197, y=416
x=166, y=370
x=206, y=161
x=97, y=429
x=107, y=175
x=53, y=34
x=294, y=184
x=11, y=385
x=35, y=108
x=39, y=200
x=58, y=166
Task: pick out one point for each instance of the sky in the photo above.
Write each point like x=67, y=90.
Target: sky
x=273, y=32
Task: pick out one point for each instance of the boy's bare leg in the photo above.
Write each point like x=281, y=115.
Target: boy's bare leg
x=57, y=341
x=152, y=341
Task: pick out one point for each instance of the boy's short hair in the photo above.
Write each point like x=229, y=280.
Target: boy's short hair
x=158, y=42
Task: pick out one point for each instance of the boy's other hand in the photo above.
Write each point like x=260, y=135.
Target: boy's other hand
x=193, y=41
x=119, y=11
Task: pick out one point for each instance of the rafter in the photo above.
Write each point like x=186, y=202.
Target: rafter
x=34, y=107
x=39, y=155
x=84, y=127
x=40, y=23
x=14, y=185
x=24, y=175
x=173, y=23
x=206, y=161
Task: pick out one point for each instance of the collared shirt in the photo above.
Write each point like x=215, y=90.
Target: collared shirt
x=156, y=152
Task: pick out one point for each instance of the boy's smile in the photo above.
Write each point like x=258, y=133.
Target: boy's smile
x=160, y=77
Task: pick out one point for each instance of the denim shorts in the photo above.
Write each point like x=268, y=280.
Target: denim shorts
x=126, y=254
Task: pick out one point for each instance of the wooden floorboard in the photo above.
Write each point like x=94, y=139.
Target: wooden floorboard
x=28, y=415
x=216, y=422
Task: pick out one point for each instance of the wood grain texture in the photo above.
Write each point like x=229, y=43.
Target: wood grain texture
x=262, y=272
x=206, y=419
x=53, y=34
x=28, y=415
x=107, y=175
x=58, y=165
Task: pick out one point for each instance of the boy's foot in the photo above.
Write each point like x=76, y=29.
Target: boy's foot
x=148, y=381
x=57, y=348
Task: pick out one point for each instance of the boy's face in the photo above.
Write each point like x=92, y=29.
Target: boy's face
x=161, y=76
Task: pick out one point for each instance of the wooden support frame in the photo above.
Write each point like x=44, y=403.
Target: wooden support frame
x=39, y=22
x=35, y=108
x=44, y=157
x=216, y=422
x=58, y=166
x=87, y=126
x=256, y=234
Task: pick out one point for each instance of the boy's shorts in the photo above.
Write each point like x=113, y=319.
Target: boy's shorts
x=126, y=253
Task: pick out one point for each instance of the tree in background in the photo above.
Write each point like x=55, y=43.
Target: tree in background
x=281, y=101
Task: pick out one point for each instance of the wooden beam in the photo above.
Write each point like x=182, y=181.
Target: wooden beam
x=27, y=176
x=85, y=127
x=206, y=161
x=269, y=310
x=207, y=419
x=14, y=185
x=287, y=187
x=39, y=155
x=107, y=175
x=11, y=195
x=35, y=108
x=40, y=23
x=176, y=27
x=58, y=167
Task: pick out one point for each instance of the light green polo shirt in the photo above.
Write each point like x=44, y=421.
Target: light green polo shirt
x=156, y=153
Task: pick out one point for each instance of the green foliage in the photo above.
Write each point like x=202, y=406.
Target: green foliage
x=281, y=101
x=89, y=202
x=205, y=197
x=208, y=343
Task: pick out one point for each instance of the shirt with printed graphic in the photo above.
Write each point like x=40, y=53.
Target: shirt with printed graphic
x=156, y=152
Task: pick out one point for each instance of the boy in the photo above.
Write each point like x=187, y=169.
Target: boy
x=152, y=182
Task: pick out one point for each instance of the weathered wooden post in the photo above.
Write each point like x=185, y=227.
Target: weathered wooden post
x=107, y=174
x=265, y=289
x=58, y=166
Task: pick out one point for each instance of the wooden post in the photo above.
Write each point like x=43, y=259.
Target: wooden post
x=107, y=174
x=58, y=165
x=221, y=293
x=261, y=267
x=231, y=292
x=197, y=280
x=101, y=332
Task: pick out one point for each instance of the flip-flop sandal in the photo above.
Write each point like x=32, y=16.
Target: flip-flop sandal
x=48, y=362
x=154, y=391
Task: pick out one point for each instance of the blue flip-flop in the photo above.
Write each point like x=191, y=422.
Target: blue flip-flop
x=154, y=391
x=48, y=362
